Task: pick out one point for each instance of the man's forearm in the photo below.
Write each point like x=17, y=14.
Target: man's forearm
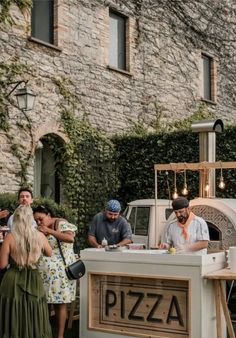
x=198, y=246
x=124, y=242
x=93, y=242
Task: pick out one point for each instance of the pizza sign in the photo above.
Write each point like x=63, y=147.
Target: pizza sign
x=136, y=306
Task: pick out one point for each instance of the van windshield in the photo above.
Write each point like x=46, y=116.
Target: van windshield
x=139, y=220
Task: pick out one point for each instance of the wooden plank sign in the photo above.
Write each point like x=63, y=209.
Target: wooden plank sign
x=139, y=306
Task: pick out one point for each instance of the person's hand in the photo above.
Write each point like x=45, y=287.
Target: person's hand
x=4, y=213
x=99, y=246
x=164, y=246
x=182, y=248
x=44, y=230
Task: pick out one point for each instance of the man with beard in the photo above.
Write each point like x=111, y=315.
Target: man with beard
x=109, y=227
x=188, y=232
x=25, y=197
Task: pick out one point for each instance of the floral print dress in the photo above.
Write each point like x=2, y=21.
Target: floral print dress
x=59, y=289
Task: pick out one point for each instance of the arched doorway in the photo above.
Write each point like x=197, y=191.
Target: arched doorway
x=46, y=179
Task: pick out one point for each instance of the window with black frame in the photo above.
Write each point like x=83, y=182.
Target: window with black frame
x=42, y=20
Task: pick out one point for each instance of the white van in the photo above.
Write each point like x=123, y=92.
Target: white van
x=148, y=225
x=141, y=215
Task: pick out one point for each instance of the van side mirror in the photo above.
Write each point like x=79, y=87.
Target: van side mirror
x=168, y=212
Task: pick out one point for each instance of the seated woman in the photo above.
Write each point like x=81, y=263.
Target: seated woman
x=59, y=289
x=23, y=305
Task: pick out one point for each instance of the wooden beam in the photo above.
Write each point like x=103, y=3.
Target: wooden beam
x=195, y=166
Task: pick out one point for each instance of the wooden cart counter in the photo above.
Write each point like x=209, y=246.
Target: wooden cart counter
x=148, y=294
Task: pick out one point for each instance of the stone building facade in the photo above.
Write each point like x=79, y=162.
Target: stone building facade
x=175, y=57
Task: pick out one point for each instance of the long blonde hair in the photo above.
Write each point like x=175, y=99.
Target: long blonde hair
x=28, y=246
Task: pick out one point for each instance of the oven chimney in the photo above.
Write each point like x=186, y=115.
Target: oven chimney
x=207, y=130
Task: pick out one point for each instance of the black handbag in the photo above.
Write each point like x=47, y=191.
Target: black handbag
x=75, y=270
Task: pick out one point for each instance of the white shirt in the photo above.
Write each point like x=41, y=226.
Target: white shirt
x=197, y=229
x=10, y=223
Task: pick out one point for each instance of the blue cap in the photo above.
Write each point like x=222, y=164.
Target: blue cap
x=113, y=206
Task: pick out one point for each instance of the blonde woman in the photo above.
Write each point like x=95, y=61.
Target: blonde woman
x=23, y=306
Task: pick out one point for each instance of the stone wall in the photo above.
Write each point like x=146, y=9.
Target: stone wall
x=165, y=42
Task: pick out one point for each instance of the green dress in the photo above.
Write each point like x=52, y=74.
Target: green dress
x=23, y=305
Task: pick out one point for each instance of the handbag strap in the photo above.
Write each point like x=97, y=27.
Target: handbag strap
x=61, y=252
x=58, y=242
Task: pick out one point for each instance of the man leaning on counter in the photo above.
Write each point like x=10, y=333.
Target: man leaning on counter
x=109, y=227
x=187, y=232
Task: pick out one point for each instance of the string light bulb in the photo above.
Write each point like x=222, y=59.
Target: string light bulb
x=207, y=187
x=175, y=193
x=222, y=182
x=185, y=188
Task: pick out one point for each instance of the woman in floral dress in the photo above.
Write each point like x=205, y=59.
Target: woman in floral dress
x=59, y=289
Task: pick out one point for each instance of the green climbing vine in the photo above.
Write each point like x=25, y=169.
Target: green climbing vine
x=5, y=6
x=142, y=127
x=202, y=112
x=87, y=162
x=11, y=72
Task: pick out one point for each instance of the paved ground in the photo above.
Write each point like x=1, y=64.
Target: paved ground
x=70, y=333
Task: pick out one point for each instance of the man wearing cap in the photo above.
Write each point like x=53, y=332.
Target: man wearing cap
x=188, y=232
x=109, y=227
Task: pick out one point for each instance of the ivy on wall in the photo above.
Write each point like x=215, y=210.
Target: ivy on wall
x=5, y=6
x=86, y=164
x=11, y=72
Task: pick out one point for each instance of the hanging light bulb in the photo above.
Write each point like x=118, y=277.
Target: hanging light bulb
x=175, y=193
x=222, y=182
x=207, y=187
x=185, y=188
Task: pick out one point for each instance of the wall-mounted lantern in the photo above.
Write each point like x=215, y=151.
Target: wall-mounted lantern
x=25, y=97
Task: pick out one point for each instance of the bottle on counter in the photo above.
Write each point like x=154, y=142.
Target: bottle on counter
x=104, y=242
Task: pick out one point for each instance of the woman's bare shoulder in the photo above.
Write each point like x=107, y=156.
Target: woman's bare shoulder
x=9, y=238
x=41, y=235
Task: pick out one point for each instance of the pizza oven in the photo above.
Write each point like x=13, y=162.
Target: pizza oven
x=220, y=215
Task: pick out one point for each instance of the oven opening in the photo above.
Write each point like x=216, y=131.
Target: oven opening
x=214, y=232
